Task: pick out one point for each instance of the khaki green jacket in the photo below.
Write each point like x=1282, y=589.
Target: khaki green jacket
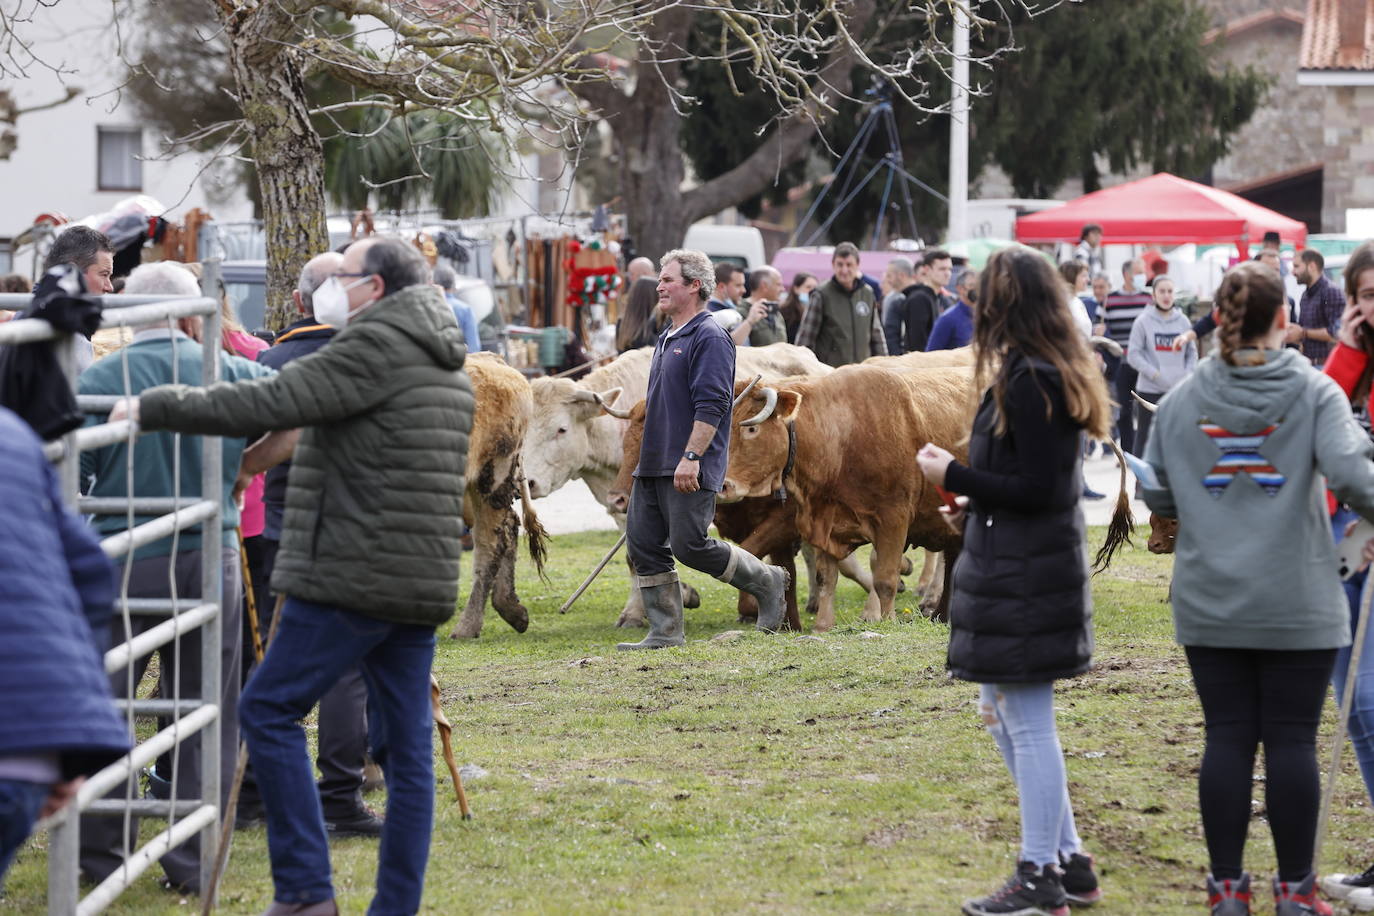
x=772, y=329
x=374, y=499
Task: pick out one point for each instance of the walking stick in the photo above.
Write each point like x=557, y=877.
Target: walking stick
x=252, y=598
x=1343, y=717
x=611, y=553
x=592, y=576
x=446, y=739
x=226, y=831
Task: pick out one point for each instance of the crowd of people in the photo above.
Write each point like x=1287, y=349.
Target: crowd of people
x=1248, y=447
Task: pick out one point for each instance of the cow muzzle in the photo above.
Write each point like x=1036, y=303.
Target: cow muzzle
x=618, y=501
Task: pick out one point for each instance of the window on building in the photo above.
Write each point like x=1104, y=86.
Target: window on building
x=120, y=167
x=6, y=256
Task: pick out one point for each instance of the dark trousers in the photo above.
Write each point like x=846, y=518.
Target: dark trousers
x=102, y=845
x=1251, y=696
x=664, y=524
x=1126, y=377
x=314, y=645
x=342, y=733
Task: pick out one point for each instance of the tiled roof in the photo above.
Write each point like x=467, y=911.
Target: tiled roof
x=1325, y=46
x=1255, y=20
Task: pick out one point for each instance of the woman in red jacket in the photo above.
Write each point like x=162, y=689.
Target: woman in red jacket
x=1352, y=367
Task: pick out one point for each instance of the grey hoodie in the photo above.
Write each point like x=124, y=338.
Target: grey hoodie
x=1151, y=351
x=1240, y=452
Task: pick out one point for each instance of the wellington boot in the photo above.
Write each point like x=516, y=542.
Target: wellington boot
x=766, y=583
x=663, y=607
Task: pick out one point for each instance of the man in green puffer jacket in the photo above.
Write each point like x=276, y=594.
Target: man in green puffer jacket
x=369, y=551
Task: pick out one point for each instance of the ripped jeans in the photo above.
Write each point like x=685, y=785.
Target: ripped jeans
x=1021, y=719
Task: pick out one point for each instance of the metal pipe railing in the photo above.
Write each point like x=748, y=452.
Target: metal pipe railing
x=116, y=545
x=202, y=821
x=89, y=437
x=145, y=642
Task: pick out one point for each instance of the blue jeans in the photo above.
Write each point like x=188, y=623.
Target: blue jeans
x=1021, y=719
x=20, y=803
x=314, y=645
x=1362, y=710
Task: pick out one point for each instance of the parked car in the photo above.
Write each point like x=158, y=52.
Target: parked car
x=245, y=282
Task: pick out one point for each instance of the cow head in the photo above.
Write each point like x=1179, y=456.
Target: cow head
x=629, y=460
x=758, y=442
x=1163, y=533
x=557, y=446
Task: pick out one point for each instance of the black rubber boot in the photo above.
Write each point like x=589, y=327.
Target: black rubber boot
x=766, y=583
x=663, y=607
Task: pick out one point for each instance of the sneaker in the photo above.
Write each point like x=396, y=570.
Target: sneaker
x=360, y=822
x=1080, y=879
x=1090, y=494
x=1339, y=886
x=1299, y=898
x=1029, y=892
x=1229, y=896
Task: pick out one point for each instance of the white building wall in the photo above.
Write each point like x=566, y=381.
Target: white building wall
x=54, y=166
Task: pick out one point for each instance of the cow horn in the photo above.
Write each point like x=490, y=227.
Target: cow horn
x=745, y=393
x=582, y=394
x=1152, y=408
x=1106, y=345
x=615, y=412
x=770, y=404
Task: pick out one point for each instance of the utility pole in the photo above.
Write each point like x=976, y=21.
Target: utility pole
x=958, y=128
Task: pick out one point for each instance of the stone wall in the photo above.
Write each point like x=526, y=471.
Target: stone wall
x=1348, y=132
x=1286, y=130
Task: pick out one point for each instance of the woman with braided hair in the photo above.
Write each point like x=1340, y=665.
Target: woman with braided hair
x=1239, y=449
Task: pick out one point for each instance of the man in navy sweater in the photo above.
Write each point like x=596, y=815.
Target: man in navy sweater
x=683, y=460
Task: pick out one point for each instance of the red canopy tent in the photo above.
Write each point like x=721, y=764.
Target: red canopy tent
x=1162, y=208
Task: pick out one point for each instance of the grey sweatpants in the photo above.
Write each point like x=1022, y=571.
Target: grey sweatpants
x=102, y=846
x=664, y=524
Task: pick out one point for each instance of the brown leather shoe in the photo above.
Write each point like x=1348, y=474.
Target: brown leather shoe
x=319, y=908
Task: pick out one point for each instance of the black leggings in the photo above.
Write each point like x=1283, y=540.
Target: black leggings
x=1249, y=696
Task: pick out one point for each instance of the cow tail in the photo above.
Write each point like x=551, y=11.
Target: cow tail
x=1123, y=522
x=537, y=539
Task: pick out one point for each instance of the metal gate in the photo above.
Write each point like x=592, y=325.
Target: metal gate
x=184, y=717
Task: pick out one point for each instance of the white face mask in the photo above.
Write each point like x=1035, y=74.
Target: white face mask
x=331, y=302
x=1138, y=281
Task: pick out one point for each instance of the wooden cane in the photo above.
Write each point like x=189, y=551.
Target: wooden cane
x=1342, y=718
x=226, y=831
x=252, y=598
x=446, y=739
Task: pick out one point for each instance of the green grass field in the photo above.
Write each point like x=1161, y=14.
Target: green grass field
x=844, y=774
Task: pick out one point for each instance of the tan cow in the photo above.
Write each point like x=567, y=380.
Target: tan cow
x=500, y=421
x=844, y=448
x=571, y=438
x=933, y=359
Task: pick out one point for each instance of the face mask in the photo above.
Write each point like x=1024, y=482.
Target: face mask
x=1138, y=281
x=804, y=297
x=331, y=302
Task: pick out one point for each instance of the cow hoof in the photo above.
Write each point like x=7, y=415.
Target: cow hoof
x=518, y=617
x=813, y=607
x=462, y=632
x=901, y=585
x=690, y=599
x=822, y=627
x=628, y=620
x=907, y=566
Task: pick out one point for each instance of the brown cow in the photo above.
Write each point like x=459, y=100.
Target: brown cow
x=1163, y=531
x=844, y=448
x=494, y=482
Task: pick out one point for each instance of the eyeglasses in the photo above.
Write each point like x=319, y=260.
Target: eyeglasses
x=346, y=274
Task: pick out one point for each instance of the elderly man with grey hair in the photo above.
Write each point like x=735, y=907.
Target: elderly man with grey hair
x=683, y=458
x=158, y=355
x=369, y=554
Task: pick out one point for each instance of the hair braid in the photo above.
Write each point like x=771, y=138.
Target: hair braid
x=1247, y=300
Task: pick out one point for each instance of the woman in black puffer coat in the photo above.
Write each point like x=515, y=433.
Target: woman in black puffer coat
x=1021, y=614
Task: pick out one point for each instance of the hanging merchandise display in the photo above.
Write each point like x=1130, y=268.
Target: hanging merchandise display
x=593, y=277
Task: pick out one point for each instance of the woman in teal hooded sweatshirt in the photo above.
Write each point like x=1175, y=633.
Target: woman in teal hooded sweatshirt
x=1240, y=449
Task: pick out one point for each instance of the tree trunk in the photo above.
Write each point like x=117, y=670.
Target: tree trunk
x=289, y=159
x=652, y=170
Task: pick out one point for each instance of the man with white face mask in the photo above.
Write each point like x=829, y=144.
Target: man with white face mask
x=369, y=552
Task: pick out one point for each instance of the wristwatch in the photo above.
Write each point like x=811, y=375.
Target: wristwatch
x=691, y=455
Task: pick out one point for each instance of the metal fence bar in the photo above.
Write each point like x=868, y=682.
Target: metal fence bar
x=211, y=571
x=160, y=505
x=156, y=606
x=157, y=707
x=196, y=716
x=202, y=820
x=159, y=635
x=116, y=545
x=88, y=437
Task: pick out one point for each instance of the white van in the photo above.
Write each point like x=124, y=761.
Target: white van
x=742, y=245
